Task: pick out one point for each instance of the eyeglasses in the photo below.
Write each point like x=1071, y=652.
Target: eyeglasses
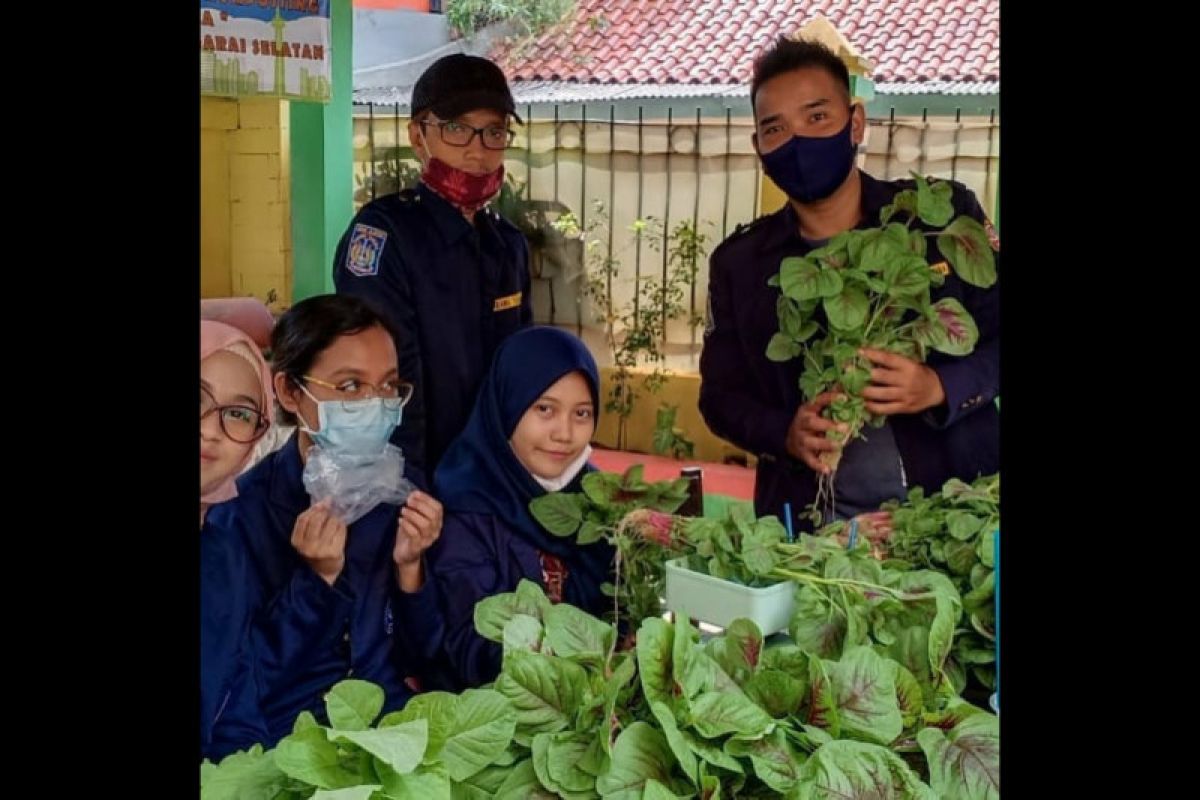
x=395, y=394
x=458, y=134
x=242, y=424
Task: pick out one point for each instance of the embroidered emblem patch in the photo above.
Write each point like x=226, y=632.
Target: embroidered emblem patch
x=366, y=248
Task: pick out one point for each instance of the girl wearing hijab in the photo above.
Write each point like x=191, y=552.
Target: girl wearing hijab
x=332, y=597
x=235, y=408
x=528, y=434
x=235, y=411
x=248, y=314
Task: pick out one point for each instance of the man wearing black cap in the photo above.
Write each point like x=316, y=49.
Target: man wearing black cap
x=450, y=275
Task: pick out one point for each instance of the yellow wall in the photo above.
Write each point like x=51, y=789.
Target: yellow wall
x=771, y=198
x=245, y=214
x=217, y=118
x=682, y=389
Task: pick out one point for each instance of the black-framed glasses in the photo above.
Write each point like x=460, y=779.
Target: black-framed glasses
x=242, y=424
x=459, y=134
x=395, y=394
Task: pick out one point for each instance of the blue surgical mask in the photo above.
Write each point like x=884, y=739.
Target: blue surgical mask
x=354, y=427
x=810, y=168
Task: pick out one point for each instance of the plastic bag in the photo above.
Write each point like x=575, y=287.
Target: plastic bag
x=356, y=484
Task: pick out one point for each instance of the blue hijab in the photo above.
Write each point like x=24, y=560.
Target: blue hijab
x=480, y=473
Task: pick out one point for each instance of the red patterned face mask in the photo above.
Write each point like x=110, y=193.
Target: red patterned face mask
x=466, y=192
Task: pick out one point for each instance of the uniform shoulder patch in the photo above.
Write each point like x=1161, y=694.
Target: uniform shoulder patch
x=365, y=250
x=993, y=237
x=739, y=230
x=745, y=227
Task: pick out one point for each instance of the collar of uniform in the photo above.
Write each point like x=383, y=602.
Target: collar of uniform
x=875, y=195
x=449, y=221
x=785, y=225
x=287, y=478
x=782, y=227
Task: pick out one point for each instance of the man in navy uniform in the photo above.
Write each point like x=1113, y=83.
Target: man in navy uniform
x=449, y=274
x=941, y=419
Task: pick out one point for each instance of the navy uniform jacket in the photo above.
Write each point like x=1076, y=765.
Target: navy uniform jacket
x=478, y=556
x=750, y=400
x=225, y=602
x=451, y=291
x=305, y=634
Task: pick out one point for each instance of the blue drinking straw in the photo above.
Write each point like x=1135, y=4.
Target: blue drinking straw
x=853, y=534
x=787, y=521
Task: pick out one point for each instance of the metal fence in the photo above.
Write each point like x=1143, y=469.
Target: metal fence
x=650, y=163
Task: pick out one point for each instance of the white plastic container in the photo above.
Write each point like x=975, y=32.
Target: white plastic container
x=719, y=602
